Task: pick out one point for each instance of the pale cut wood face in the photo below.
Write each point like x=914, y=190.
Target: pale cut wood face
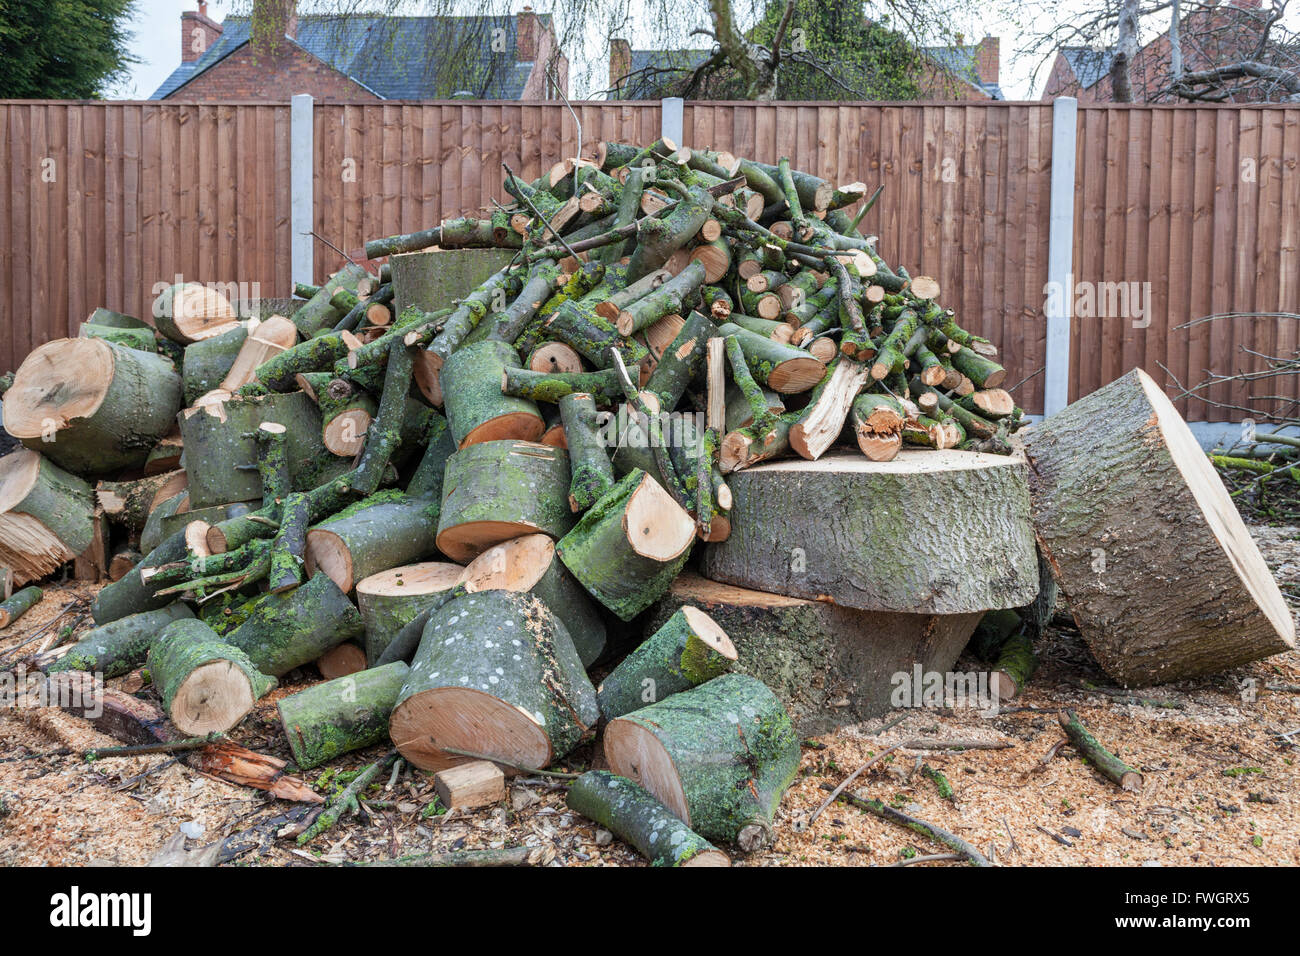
x=466, y=719
x=636, y=753
x=212, y=699
x=429, y=577
x=58, y=382
x=656, y=526
x=515, y=565
x=707, y=630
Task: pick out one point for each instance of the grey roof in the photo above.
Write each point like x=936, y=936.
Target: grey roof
x=394, y=57
x=651, y=70
x=963, y=63
x=1088, y=63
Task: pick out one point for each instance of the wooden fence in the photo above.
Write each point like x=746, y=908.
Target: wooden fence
x=106, y=200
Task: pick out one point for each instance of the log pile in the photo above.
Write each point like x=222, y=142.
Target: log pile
x=452, y=509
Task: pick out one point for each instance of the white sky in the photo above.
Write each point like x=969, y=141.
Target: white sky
x=156, y=43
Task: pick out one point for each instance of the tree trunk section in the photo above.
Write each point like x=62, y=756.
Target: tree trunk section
x=47, y=516
x=391, y=599
x=1159, y=570
x=283, y=631
x=206, y=685
x=926, y=533
x=384, y=531
x=477, y=409
x=339, y=716
x=120, y=646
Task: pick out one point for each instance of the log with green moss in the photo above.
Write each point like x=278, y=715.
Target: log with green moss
x=1016, y=662
x=391, y=599
x=602, y=385
x=629, y=545
x=120, y=646
x=592, y=336
x=529, y=564
x=206, y=685
x=1092, y=750
x=283, y=631
x=687, y=650
x=382, y=531
x=319, y=313
x=591, y=474
x=18, y=604
x=477, y=408
x=319, y=354
x=288, y=549
x=633, y=815
x=720, y=756
x=493, y=294
x=496, y=674
x=336, y=717
x=498, y=490
x=207, y=363
x=439, y=446
x=681, y=361
x=782, y=368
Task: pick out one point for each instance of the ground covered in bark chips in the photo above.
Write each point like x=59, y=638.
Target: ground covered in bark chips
x=1220, y=757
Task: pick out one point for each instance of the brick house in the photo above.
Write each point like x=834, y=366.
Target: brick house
x=1212, y=37
x=365, y=56
x=959, y=72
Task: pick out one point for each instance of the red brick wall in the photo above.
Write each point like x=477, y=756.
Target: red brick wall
x=198, y=33
x=246, y=75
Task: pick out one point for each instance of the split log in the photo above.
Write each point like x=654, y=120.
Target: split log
x=391, y=599
x=206, y=685
x=469, y=786
x=529, y=565
x=885, y=554
x=498, y=490
x=496, y=674
x=383, y=531
x=207, y=363
x=824, y=418
x=477, y=409
x=18, y=604
x=120, y=646
x=191, y=312
x=46, y=515
x=830, y=666
x=1114, y=472
x=629, y=545
x=720, y=756
x=91, y=407
x=339, y=716
x=685, y=651
x=282, y=631
x=266, y=340
x=628, y=811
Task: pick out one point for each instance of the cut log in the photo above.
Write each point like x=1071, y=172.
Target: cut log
x=222, y=447
x=206, y=685
x=477, y=409
x=347, y=658
x=687, y=650
x=553, y=357
x=46, y=515
x=1110, y=475
x=18, y=604
x=782, y=368
x=129, y=503
x=529, y=565
x=120, y=646
x=927, y=533
x=191, y=312
x=283, y=631
x=391, y=599
x=266, y=340
x=339, y=716
x=720, y=756
x=91, y=407
x=831, y=666
x=130, y=595
x=495, y=491
x=591, y=474
x=629, y=545
x=470, y=785
x=495, y=674
x=318, y=313
x=383, y=531
x=633, y=815
x=824, y=418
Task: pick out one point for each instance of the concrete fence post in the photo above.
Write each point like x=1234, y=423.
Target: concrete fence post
x=302, y=219
x=1060, y=255
x=670, y=121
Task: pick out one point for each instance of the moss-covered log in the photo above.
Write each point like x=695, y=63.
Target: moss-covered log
x=681, y=361
x=280, y=373
x=495, y=674
x=633, y=815
x=875, y=559
x=92, y=407
x=120, y=646
x=720, y=756
x=391, y=599
x=528, y=564
x=685, y=651
x=782, y=368
x=591, y=474
x=130, y=595
x=318, y=313
x=384, y=531
x=477, y=409
x=603, y=386
x=495, y=491
x=18, y=604
x=206, y=685
x=129, y=503
x=283, y=631
x=1114, y=472
x=339, y=716
x=1092, y=750
x=629, y=545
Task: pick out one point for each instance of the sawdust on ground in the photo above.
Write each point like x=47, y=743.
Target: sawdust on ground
x=1219, y=757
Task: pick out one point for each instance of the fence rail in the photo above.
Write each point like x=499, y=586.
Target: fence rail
x=1179, y=213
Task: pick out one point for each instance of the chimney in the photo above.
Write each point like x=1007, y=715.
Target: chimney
x=988, y=66
x=198, y=33
x=620, y=62
x=526, y=31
